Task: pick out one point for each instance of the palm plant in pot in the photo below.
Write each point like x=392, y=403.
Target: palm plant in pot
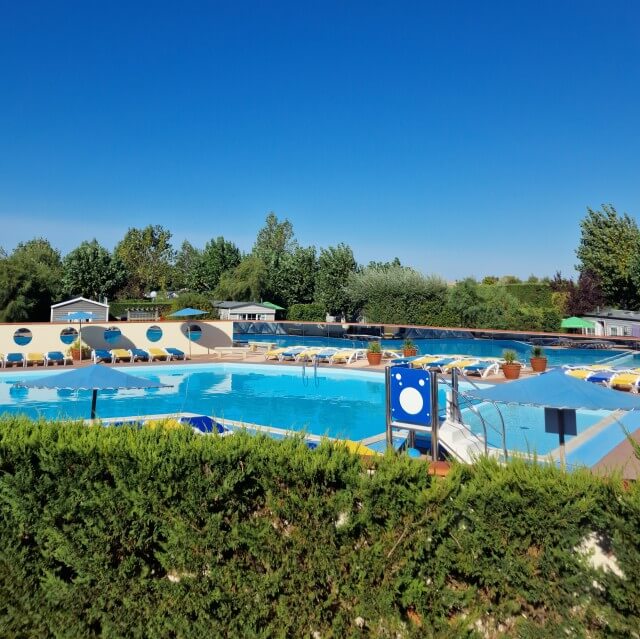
x=511, y=367
x=75, y=348
x=538, y=360
x=374, y=353
x=409, y=349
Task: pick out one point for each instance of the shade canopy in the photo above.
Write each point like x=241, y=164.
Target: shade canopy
x=80, y=316
x=576, y=322
x=94, y=378
x=272, y=306
x=188, y=312
x=556, y=389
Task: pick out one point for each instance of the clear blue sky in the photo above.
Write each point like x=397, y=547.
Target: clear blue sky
x=463, y=137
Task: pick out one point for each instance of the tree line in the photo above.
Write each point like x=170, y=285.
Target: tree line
x=312, y=283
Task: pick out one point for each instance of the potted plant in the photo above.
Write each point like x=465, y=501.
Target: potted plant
x=511, y=367
x=76, y=347
x=374, y=353
x=538, y=360
x=409, y=348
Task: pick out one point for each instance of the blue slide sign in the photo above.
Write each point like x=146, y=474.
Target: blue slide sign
x=410, y=396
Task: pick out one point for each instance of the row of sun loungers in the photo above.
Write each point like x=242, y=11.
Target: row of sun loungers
x=321, y=354
x=612, y=377
x=115, y=355
x=482, y=367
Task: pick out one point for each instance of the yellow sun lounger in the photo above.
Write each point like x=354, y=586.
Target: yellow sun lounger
x=626, y=380
x=348, y=355
x=308, y=354
x=459, y=363
x=34, y=359
x=580, y=373
x=120, y=354
x=157, y=353
x=274, y=353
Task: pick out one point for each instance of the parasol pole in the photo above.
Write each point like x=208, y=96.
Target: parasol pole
x=94, y=398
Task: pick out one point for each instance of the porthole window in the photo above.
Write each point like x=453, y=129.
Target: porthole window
x=22, y=336
x=154, y=333
x=194, y=332
x=68, y=335
x=112, y=335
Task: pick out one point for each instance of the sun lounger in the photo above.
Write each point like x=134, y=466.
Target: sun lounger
x=138, y=354
x=175, y=353
x=458, y=363
x=308, y=354
x=203, y=424
x=101, y=355
x=234, y=351
x=120, y=355
x=483, y=368
x=274, y=353
x=325, y=354
x=14, y=359
x=291, y=353
x=626, y=381
x=56, y=357
x=439, y=363
x=34, y=359
x=603, y=377
x=158, y=353
x=348, y=355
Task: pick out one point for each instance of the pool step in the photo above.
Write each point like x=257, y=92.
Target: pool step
x=461, y=442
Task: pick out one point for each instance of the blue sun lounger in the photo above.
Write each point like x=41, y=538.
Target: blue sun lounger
x=175, y=353
x=101, y=355
x=55, y=357
x=138, y=354
x=602, y=377
x=14, y=359
x=203, y=424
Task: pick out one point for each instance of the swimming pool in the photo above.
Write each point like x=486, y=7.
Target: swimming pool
x=476, y=347
x=524, y=426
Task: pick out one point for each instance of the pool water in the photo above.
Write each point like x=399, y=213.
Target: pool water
x=524, y=426
x=475, y=347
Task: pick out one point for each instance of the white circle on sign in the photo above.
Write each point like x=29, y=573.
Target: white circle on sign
x=411, y=401
x=398, y=376
x=421, y=382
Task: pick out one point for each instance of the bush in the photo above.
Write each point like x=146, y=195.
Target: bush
x=162, y=533
x=306, y=313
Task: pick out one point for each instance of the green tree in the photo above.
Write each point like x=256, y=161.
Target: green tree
x=245, y=283
x=274, y=246
x=148, y=256
x=190, y=299
x=184, y=267
x=91, y=271
x=394, y=295
x=29, y=282
x=218, y=257
x=465, y=303
x=298, y=272
x=335, y=266
x=610, y=249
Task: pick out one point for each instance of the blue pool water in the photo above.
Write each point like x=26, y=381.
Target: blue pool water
x=524, y=426
x=339, y=403
x=475, y=347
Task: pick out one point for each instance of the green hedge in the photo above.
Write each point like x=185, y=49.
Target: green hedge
x=306, y=313
x=537, y=294
x=117, y=532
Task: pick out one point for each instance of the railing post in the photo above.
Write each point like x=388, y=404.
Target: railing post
x=435, y=417
x=387, y=393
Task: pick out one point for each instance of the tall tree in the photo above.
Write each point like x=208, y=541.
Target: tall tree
x=29, y=282
x=91, y=271
x=335, y=265
x=298, y=276
x=609, y=249
x=465, y=303
x=274, y=245
x=147, y=255
x=245, y=283
x=185, y=265
x=218, y=257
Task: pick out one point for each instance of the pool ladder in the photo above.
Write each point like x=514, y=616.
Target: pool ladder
x=305, y=377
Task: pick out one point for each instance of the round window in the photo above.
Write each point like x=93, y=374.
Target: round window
x=22, y=336
x=154, y=333
x=112, y=334
x=194, y=332
x=68, y=335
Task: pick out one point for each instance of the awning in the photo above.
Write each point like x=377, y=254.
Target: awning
x=576, y=322
x=270, y=305
x=555, y=389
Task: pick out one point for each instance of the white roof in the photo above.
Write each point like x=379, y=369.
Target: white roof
x=79, y=299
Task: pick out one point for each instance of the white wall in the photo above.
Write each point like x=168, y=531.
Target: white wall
x=46, y=336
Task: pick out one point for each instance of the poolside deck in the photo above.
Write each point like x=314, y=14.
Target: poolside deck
x=620, y=460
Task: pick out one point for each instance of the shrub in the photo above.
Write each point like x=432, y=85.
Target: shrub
x=163, y=533
x=306, y=313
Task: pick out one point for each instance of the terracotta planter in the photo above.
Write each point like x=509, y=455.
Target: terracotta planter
x=75, y=354
x=374, y=359
x=410, y=352
x=538, y=364
x=511, y=371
